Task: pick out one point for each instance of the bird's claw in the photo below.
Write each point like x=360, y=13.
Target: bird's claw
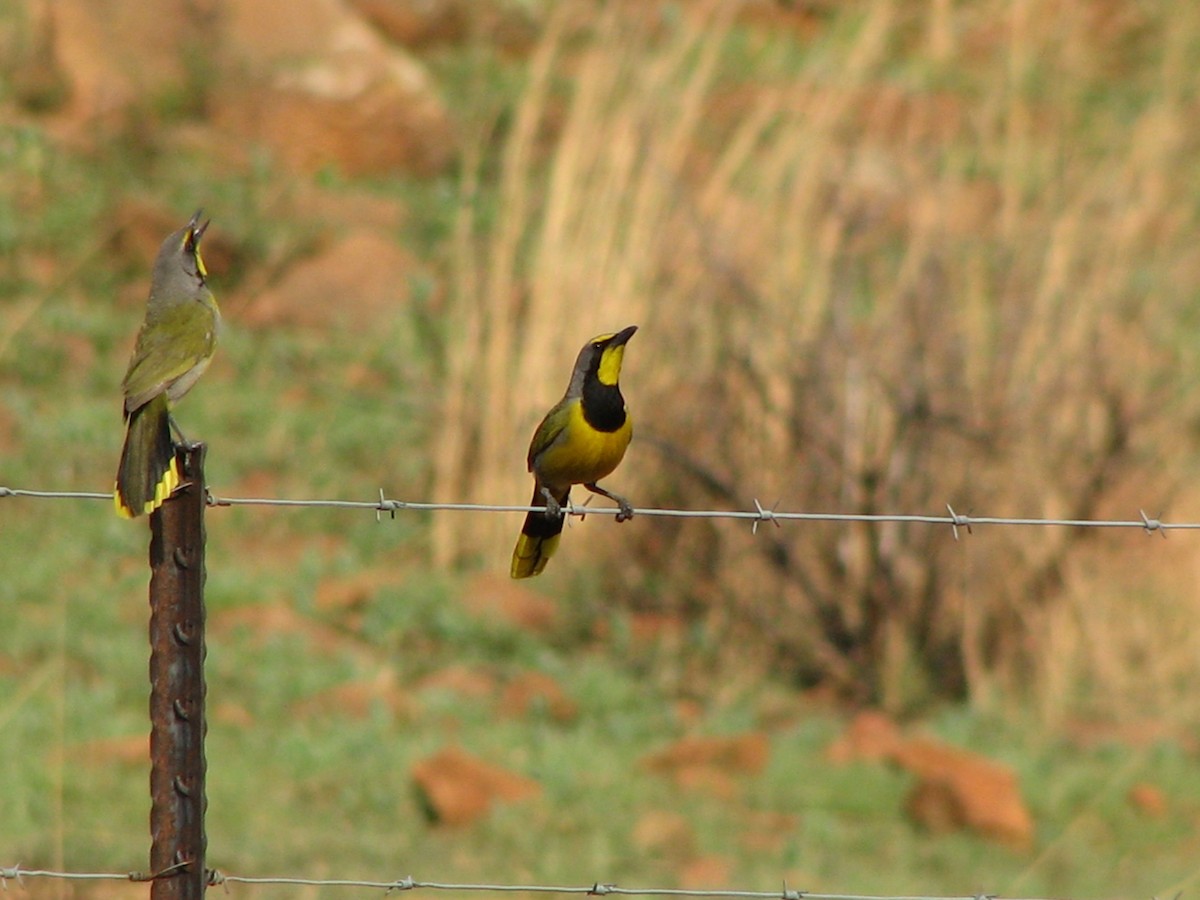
x=624, y=510
x=553, y=508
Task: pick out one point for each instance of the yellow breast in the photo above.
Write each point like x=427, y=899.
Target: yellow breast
x=581, y=454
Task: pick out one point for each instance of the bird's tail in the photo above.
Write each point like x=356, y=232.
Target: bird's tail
x=539, y=537
x=148, y=472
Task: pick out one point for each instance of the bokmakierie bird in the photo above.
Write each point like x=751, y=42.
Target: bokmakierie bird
x=581, y=440
x=174, y=346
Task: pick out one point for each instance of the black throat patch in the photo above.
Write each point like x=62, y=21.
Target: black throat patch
x=603, y=405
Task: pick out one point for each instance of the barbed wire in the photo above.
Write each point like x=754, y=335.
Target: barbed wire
x=756, y=516
x=408, y=883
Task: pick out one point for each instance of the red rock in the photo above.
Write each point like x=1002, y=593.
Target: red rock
x=309, y=79
x=112, y=54
x=459, y=788
x=959, y=789
x=955, y=788
x=319, y=87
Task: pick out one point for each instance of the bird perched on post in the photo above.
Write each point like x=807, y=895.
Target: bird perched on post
x=174, y=347
x=581, y=440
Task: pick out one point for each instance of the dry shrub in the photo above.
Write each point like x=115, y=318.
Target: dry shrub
x=934, y=255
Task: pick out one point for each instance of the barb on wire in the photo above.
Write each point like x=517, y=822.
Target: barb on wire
x=1152, y=525
x=408, y=883
x=956, y=520
x=756, y=516
x=764, y=515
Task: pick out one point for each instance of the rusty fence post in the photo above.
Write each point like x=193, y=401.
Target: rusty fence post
x=177, y=720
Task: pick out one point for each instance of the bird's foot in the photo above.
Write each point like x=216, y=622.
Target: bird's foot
x=624, y=510
x=553, y=508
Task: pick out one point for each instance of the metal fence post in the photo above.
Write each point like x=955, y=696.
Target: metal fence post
x=177, y=720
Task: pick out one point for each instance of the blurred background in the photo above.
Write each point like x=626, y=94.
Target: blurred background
x=884, y=256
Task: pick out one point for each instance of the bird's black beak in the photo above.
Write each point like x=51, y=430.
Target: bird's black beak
x=622, y=336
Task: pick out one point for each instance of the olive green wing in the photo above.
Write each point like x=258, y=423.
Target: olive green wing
x=168, y=346
x=548, y=432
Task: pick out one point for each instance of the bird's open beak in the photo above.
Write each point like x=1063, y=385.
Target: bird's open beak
x=197, y=228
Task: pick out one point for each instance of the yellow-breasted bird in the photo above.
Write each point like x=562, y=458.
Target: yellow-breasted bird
x=174, y=347
x=580, y=441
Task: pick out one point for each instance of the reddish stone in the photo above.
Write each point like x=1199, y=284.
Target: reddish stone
x=458, y=788
x=955, y=788
x=319, y=87
x=112, y=55
x=959, y=789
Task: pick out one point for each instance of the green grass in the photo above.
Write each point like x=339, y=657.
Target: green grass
x=331, y=795
x=298, y=787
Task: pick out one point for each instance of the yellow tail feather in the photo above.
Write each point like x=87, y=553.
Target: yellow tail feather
x=531, y=555
x=539, y=538
x=148, y=472
x=166, y=486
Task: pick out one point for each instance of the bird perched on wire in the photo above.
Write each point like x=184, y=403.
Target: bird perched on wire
x=174, y=346
x=581, y=440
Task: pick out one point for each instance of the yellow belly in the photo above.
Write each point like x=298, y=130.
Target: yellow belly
x=581, y=454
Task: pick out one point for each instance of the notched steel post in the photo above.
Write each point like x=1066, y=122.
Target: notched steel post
x=177, y=689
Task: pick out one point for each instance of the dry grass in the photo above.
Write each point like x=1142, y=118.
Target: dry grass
x=930, y=255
